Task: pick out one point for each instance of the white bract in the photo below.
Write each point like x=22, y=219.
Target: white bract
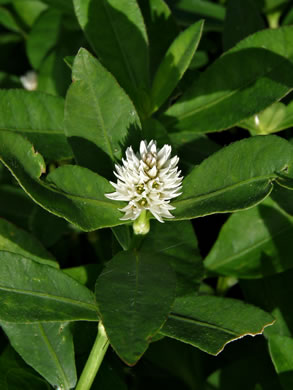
x=147, y=181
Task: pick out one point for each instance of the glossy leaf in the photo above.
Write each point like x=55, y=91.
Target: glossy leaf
x=116, y=31
x=236, y=177
x=48, y=348
x=159, y=22
x=134, y=300
x=38, y=117
x=28, y=11
x=32, y=292
x=174, y=64
x=15, y=240
x=75, y=193
x=275, y=118
x=280, y=348
x=209, y=323
x=203, y=8
x=212, y=102
x=99, y=116
x=43, y=36
x=253, y=243
x=8, y=20
x=177, y=242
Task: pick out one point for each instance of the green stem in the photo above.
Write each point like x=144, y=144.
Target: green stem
x=94, y=360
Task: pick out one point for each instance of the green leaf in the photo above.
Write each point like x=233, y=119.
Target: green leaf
x=116, y=31
x=280, y=348
x=177, y=242
x=15, y=240
x=32, y=292
x=209, y=323
x=43, y=36
x=48, y=348
x=28, y=11
x=15, y=205
x=74, y=193
x=236, y=177
x=63, y=5
x=159, y=23
x=37, y=116
x=204, y=8
x=192, y=148
x=23, y=379
x=99, y=116
x=243, y=18
x=275, y=118
x=212, y=102
x=134, y=300
x=47, y=227
x=273, y=294
x=174, y=64
x=8, y=20
x=253, y=243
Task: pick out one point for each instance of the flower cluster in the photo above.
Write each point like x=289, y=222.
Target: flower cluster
x=147, y=181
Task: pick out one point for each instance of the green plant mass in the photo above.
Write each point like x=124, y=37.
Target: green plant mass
x=146, y=194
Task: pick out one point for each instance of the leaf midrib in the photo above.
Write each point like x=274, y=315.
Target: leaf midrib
x=222, y=190
x=247, y=250
x=226, y=96
x=54, y=356
x=37, y=131
x=127, y=65
x=51, y=297
x=179, y=317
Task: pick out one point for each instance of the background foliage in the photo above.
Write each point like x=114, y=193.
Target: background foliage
x=214, y=79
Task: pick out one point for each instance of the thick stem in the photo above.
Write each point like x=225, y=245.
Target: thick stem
x=94, y=360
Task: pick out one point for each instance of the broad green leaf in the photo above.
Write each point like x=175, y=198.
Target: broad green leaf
x=116, y=31
x=8, y=20
x=174, y=64
x=192, y=148
x=177, y=242
x=48, y=348
x=134, y=300
x=15, y=205
x=15, y=240
x=47, y=227
x=75, y=193
x=37, y=116
x=236, y=177
x=243, y=18
x=204, y=8
x=84, y=274
x=63, y=5
x=43, y=36
x=275, y=118
x=32, y=292
x=209, y=322
x=99, y=116
x=253, y=243
x=283, y=198
x=22, y=379
x=28, y=11
x=159, y=22
x=212, y=102
x=280, y=348
x=273, y=294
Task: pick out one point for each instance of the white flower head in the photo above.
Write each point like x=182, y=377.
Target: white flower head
x=147, y=180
